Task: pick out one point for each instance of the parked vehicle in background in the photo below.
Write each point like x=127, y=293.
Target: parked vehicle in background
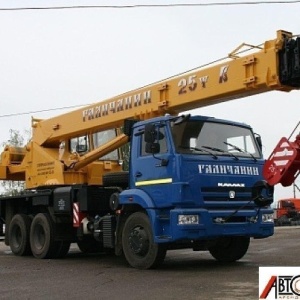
x=287, y=212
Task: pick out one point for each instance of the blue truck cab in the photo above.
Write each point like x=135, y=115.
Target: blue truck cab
x=198, y=183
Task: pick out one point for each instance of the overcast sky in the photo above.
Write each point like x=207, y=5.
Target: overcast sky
x=60, y=58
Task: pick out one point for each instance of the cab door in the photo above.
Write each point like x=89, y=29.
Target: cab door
x=151, y=164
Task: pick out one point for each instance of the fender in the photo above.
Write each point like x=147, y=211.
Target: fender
x=139, y=197
x=136, y=196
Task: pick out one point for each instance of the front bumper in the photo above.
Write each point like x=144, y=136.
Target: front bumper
x=211, y=224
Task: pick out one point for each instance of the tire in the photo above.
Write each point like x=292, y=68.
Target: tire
x=230, y=249
x=138, y=246
x=89, y=245
x=18, y=235
x=42, y=237
x=62, y=249
x=1, y=228
x=120, y=179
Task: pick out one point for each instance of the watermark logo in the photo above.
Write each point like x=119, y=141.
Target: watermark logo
x=279, y=283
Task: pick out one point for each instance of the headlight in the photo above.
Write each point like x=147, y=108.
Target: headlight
x=267, y=218
x=188, y=219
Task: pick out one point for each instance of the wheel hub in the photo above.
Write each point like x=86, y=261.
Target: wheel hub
x=17, y=236
x=39, y=237
x=138, y=241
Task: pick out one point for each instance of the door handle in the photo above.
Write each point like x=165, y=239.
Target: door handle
x=138, y=174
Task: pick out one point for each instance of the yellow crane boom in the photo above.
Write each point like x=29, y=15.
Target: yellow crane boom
x=238, y=77
x=39, y=162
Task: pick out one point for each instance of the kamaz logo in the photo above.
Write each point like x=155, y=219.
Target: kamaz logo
x=231, y=184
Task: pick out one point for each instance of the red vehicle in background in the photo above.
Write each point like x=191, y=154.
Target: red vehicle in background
x=287, y=212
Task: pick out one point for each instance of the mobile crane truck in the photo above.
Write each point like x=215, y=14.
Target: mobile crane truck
x=193, y=181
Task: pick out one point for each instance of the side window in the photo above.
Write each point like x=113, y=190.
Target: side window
x=79, y=144
x=161, y=141
x=100, y=138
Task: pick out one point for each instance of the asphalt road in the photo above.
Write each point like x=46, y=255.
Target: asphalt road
x=184, y=275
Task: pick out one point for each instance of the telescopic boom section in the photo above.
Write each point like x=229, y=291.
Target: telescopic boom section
x=273, y=66
x=51, y=159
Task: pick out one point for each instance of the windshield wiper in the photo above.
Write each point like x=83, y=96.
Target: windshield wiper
x=201, y=150
x=220, y=150
x=240, y=150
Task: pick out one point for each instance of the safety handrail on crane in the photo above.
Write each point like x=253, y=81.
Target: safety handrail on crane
x=236, y=78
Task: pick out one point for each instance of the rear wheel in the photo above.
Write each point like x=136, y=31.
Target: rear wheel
x=139, y=247
x=18, y=235
x=42, y=237
x=230, y=249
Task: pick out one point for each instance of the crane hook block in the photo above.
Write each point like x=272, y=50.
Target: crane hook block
x=283, y=165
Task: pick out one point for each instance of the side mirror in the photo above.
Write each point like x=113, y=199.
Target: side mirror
x=258, y=140
x=150, y=131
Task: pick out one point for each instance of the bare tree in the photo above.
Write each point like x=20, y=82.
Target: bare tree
x=16, y=139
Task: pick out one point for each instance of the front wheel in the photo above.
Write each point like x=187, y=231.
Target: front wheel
x=139, y=248
x=230, y=249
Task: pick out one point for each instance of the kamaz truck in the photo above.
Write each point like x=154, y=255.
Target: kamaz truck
x=192, y=182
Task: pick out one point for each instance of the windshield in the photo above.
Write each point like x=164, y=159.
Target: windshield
x=207, y=138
